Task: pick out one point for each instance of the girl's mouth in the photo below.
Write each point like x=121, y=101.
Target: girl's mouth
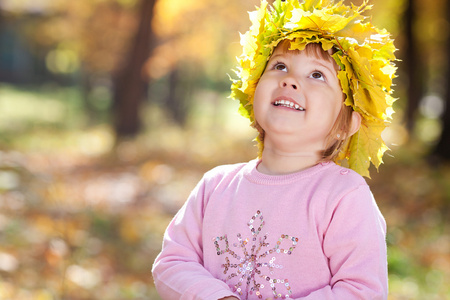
x=288, y=104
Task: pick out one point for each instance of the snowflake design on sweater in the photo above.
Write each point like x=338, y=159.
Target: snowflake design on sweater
x=253, y=263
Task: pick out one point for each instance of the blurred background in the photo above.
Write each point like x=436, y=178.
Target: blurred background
x=111, y=111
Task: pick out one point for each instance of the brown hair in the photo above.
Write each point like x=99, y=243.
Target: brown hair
x=339, y=133
x=311, y=49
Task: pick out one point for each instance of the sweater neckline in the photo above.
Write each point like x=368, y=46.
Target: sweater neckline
x=253, y=175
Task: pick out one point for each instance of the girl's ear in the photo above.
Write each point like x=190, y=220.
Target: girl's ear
x=356, y=123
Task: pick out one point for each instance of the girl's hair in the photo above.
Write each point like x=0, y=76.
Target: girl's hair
x=339, y=133
x=311, y=49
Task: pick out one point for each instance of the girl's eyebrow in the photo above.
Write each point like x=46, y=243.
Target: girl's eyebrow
x=276, y=55
x=314, y=61
x=320, y=62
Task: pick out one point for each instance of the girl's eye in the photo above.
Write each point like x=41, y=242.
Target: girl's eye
x=280, y=67
x=317, y=75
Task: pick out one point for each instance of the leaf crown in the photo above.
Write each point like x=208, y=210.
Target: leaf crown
x=364, y=53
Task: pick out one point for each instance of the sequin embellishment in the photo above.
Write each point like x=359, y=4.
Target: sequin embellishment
x=254, y=261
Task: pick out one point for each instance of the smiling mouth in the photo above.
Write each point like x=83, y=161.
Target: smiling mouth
x=288, y=104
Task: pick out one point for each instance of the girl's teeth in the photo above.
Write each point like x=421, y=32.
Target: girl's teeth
x=289, y=104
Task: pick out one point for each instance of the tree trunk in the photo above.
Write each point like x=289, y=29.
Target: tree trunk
x=130, y=84
x=413, y=67
x=178, y=95
x=442, y=150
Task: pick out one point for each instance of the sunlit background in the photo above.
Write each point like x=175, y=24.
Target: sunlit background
x=111, y=111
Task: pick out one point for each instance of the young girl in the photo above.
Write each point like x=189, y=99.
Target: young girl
x=314, y=79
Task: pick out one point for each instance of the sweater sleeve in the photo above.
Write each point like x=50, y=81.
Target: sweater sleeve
x=355, y=245
x=178, y=270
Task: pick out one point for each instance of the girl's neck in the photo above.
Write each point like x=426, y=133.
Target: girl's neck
x=276, y=162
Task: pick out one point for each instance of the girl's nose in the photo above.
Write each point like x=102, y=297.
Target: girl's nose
x=294, y=86
x=289, y=82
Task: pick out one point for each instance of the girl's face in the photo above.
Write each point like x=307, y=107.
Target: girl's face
x=297, y=100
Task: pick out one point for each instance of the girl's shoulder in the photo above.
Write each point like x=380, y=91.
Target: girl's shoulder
x=336, y=176
x=227, y=171
x=337, y=171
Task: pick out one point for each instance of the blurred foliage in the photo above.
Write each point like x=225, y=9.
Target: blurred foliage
x=82, y=217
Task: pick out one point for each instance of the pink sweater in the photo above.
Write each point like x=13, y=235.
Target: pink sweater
x=316, y=234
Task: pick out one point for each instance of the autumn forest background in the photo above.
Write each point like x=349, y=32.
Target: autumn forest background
x=111, y=111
